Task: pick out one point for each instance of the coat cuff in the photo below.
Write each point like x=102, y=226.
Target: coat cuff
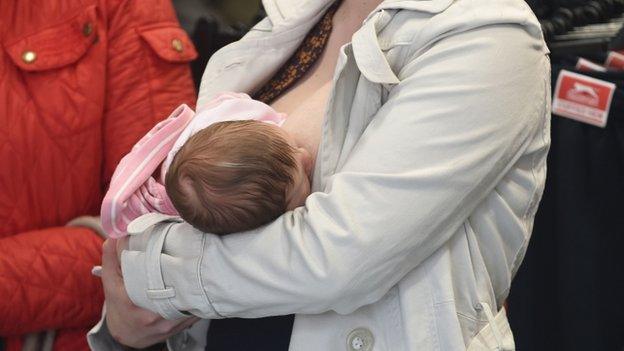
x=155, y=289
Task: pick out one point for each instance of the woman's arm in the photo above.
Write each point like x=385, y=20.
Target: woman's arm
x=461, y=116
x=128, y=324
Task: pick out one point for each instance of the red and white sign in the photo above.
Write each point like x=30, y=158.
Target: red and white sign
x=615, y=61
x=588, y=66
x=582, y=98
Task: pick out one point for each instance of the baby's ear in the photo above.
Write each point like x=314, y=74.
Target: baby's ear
x=186, y=185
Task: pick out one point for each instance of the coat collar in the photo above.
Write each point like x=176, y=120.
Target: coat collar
x=244, y=65
x=293, y=11
x=368, y=55
x=280, y=11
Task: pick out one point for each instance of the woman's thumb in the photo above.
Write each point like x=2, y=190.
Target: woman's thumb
x=110, y=262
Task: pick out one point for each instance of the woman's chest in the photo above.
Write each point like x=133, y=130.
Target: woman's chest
x=305, y=103
x=305, y=108
x=331, y=116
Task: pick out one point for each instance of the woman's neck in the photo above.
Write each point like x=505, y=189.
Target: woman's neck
x=355, y=11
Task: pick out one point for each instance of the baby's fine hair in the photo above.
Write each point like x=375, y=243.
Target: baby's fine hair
x=232, y=176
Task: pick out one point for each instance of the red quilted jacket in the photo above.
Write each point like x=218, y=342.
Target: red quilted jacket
x=80, y=82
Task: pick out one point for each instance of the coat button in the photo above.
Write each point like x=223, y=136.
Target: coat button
x=177, y=45
x=29, y=56
x=87, y=29
x=360, y=339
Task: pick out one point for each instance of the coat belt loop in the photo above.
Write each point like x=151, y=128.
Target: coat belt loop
x=157, y=291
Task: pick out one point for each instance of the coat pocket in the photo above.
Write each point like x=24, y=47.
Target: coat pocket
x=61, y=68
x=166, y=53
x=170, y=44
x=56, y=46
x=496, y=335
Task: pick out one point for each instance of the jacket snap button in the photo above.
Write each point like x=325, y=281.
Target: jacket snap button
x=87, y=29
x=360, y=339
x=177, y=45
x=29, y=56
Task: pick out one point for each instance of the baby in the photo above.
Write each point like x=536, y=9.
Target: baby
x=228, y=168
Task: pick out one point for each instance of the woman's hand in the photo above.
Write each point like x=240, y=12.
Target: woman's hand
x=128, y=324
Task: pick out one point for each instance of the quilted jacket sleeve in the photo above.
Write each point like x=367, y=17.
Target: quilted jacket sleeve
x=42, y=295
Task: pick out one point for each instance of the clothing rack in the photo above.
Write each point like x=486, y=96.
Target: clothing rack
x=580, y=27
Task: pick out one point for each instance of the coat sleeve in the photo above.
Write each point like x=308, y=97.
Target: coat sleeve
x=43, y=292
x=146, y=78
x=464, y=111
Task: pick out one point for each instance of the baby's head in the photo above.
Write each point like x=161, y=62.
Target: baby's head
x=238, y=175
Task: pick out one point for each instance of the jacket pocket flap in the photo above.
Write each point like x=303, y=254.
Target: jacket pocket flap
x=171, y=44
x=56, y=46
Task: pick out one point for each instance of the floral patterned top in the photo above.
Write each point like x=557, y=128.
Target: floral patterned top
x=303, y=59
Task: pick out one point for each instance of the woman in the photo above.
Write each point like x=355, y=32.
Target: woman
x=430, y=166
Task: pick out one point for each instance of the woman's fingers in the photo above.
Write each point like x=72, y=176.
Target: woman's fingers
x=168, y=328
x=185, y=323
x=111, y=267
x=121, y=244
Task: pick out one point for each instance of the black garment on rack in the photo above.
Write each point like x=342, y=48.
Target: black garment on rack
x=569, y=291
x=617, y=42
